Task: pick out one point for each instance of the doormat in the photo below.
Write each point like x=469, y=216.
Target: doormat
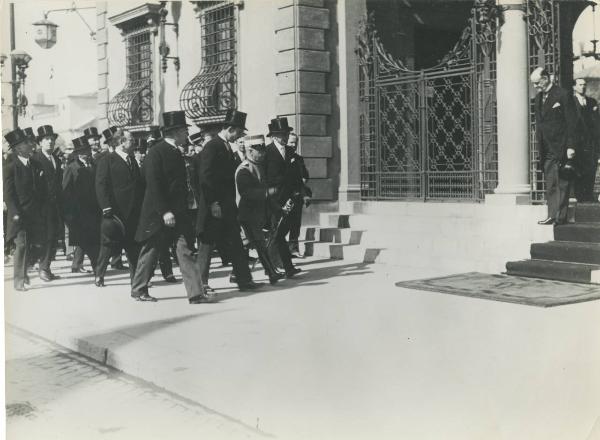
x=512, y=289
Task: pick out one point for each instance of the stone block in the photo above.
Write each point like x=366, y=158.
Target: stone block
x=314, y=60
x=311, y=82
x=284, y=39
x=322, y=189
x=308, y=38
x=316, y=146
x=286, y=104
x=315, y=104
x=103, y=66
x=317, y=167
x=314, y=3
x=102, y=112
x=286, y=82
x=312, y=125
x=312, y=17
x=101, y=51
x=284, y=18
x=285, y=61
x=103, y=96
x=101, y=8
x=100, y=21
x=102, y=36
x=102, y=81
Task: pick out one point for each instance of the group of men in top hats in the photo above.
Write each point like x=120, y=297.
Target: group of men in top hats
x=193, y=203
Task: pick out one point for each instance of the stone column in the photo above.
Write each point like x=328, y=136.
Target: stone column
x=102, y=47
x=512, y=94
x=349, y=14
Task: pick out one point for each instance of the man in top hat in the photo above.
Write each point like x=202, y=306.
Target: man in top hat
x=252, y=195
x=154, y=136
x=51, y=209
x=24, y=188
x=196, y=140
x=120, y=190
x=300, y=176
x=139, y=151
x=93, y=137
x=164, y=217
x=217, y=219
x=280, y=173
x=81, y=211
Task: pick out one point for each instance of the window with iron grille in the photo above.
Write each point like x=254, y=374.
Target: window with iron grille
x=208, y=96
x=132, y=106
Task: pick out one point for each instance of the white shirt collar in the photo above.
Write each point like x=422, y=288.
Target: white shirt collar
x=122, y=154
x=24, y=160
x=170, y=141
x=580, y=98
x=280, y=147
x=50, y=158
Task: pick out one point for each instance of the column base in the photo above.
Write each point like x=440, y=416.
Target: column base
x=507, y=199
x=349, y=193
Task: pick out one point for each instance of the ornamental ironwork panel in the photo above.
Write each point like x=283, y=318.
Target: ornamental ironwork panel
x=208, y=96
x=132, y=106
x=430, y=134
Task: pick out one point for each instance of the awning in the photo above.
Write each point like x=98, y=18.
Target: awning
x=210, y=93
x=132, y=105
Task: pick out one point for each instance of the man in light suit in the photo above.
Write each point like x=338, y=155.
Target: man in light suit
x=555, y=130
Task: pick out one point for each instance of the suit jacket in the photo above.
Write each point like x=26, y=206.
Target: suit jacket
x=215, y=166
x=166, y=191
x=24, y=191
x=587, y=132
x=284, y=174
x=252, y=196
x=52, y=204
x=555, y=124
x=120, y=189
x=81, y=211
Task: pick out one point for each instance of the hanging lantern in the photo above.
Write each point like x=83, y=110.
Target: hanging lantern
x=45, y=33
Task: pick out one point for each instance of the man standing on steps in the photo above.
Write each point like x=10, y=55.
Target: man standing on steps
x=587, y=142
x=299, y=174
x=555, y=131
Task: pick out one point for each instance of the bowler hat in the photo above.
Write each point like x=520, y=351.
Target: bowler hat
x=81, y=144
x=108, y=133
x=279, y=125
x=155, y=132
x=113, y=230
x=92, y=132
x=29, y=133
x=174, y=119
x=45, y=130
x=255, y=142
x=15, y=137
x=234, y=118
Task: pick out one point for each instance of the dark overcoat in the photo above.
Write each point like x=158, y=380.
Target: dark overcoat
x=284, y=174
x=166, y=191
x=24, y=191
x=81, y=211
x=121, y=189
x=51, y=208
x=587, y=131
x=555, y=124
x=215, y=166
x=252, y=203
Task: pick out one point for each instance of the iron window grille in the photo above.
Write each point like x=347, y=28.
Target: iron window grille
x=208, y=96
x=132, y=106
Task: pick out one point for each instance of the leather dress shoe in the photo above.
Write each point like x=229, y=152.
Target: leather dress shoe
x=232, y=279
x=290, y=273
x=203, y=299
x=250, y=285
x=21, y=288
x=296, y=254
x=45, y=275
x=99, y=282
x=80, y=270
x=26, y=280
x=560, y=222
x=145, y=297
x=208, y=288
x=548, y=221
x=119, y=266
x=170, y=279
x=273, y=278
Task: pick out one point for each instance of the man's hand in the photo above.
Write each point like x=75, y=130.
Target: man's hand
x=570, y=153
x=307, y=201
x=215, y=210
x=16, y=217
x=272, y=191
x=169, y=219
x=107, y=212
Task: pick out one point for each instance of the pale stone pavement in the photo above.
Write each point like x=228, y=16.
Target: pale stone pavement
x=339, y=353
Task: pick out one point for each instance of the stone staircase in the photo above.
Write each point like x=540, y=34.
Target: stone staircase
x=573, y=256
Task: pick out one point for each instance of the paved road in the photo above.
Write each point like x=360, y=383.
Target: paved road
x=52, y=393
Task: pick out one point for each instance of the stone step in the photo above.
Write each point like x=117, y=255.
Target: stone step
x=354, y=253
x=570, y=251
x=331, y=234
x=337, y=220
x=555, y=270
x=581, y=232
x=587, y=213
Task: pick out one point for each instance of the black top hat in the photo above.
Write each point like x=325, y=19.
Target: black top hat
x=113, y=230
x=108, y=133
x=174, y=119
x=234, y=118
x=197, y=138
x=92, y=132
x=46, y=130
x=15, y=137
x=81, y=144
x=279, y=125
x=155, y=132
x=29, y=133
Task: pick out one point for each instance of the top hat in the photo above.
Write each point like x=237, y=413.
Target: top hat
x=91, y=132
x=108, y=133
x=29, y=133
x=197, y=138
x=279, y=125
x=81, y=144
x=234, y=118
x=256, y=142
x=174, y=119
x=15, y=137
x=155, y=132
x=113, y=230
x=45, y=130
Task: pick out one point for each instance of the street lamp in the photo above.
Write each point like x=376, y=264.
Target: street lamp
x=20, y=60
x=46, y=31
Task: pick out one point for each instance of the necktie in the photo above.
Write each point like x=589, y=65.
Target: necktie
x=129, y=164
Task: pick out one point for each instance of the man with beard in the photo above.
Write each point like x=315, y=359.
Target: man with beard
x=51, y=208
x=81, y=210
x=23, y=194
x=120, y=189
x=164, y=217
x=93, y=138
